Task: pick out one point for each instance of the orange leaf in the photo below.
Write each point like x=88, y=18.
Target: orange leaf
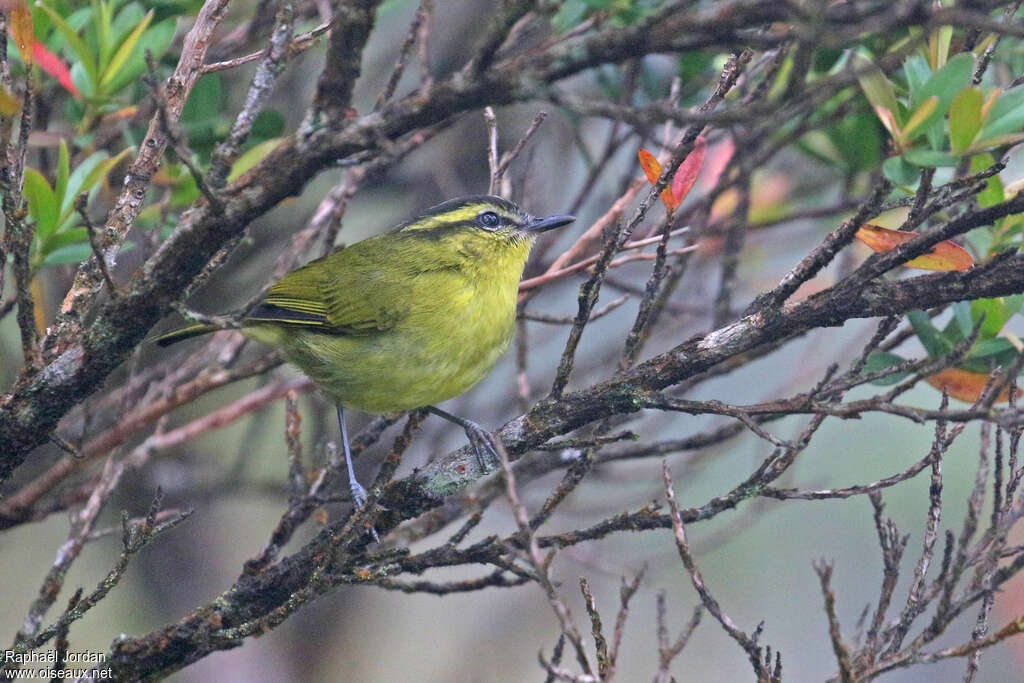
x=943, y=256
x=22, y=30
x=652, y=169
x=688, y=171
x=648, y=162
x=52, y=64
x=966, y=386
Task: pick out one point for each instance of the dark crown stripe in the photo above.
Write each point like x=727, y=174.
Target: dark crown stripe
x=454, y=205
x=462, y=202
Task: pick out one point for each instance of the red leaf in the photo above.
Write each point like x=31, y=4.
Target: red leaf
x=688, y=171
x=52, y=64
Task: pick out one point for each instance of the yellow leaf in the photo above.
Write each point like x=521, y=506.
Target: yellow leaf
x=943, y=256
x=923, y=111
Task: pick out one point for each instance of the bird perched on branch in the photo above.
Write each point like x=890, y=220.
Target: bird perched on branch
x=406, y=319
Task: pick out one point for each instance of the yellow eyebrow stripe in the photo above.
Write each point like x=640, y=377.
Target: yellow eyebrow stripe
x=463, y=213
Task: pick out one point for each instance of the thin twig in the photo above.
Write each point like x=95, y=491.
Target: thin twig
x=81, y=201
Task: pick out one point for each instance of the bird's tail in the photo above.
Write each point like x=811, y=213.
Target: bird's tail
x=184, y=333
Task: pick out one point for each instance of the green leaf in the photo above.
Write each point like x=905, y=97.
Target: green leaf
x=993, y=192
x=965, y=118
x=96, y=175
x=206, y=99
x=1006, y=116
x=156, y=39
x=76, y=179
x=570, y=15
x=930, y=158
x=934, y=342
x=72, y=253
x=123, y=52
x=859, y=141
x=82, y=81
x=900, y=172
x=102, y=20
x=982, y=241
x=991, y=347
x=963, y=319
x=984, y=143
x=1013, y=303
x=63, y=238
x=876, y=86
x=252, y=157
x=84, y=54
x=944, y=84
x=990, y=354
x=881, y=360
x=63, y=170
x=995, y=314
x=42, y=205
x=87, y=177
x=988, y=364
x=126, y=21
x=917, y=72
x=268, y=124
x=76, y=250
x=41, y=20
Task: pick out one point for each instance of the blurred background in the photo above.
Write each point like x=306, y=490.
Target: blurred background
x=756, y=560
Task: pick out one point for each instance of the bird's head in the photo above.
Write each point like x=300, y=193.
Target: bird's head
x=481, y=223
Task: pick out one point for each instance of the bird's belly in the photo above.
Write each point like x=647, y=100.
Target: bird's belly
x=400, y=369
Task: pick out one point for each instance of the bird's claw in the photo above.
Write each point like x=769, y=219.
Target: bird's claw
x=485, y=446
x=359, y=502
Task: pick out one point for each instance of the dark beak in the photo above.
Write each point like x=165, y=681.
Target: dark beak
x=540, y=225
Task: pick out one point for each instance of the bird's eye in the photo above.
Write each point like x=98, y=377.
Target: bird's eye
x=489, y=220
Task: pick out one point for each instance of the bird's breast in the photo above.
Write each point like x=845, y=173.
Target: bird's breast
x=454, y=330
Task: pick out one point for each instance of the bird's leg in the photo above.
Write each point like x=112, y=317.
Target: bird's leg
x=358, y=492
x=484, y=443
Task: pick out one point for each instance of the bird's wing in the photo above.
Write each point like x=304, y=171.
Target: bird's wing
x=341, y=293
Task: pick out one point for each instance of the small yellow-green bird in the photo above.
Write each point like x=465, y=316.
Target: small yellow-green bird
x=406, y=319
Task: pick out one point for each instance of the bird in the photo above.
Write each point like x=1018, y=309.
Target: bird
x=403, y=320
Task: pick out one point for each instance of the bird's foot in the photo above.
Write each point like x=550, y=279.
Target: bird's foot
x=358, y=494
x=485, y=446
x=359, y=502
